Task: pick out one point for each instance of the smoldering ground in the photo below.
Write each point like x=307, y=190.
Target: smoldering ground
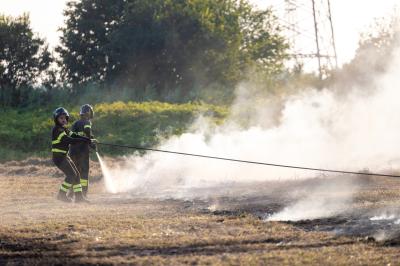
x=372, y=213
x=224, y=223
x=354, y=131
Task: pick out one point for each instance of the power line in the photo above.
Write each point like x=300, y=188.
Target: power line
x=249, y=162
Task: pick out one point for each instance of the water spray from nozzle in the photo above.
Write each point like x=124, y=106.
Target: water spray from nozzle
x=107, y=175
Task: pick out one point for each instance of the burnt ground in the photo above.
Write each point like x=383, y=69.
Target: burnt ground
x=216, y=228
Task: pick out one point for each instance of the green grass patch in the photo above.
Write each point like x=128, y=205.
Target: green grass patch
x=27, y=132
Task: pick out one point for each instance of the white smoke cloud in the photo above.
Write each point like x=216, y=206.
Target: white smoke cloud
x=314, y=128
x=332, y=197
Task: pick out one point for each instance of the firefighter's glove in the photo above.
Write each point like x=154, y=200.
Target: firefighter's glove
x=93, y=143
x=93, y=146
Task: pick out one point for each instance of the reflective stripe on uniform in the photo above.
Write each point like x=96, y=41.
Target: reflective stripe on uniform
x=58, y=140
x=84, y=182
x=80, y=133
x=88, y=126
x=65, y=186
x=77, y=188
x=58, y=150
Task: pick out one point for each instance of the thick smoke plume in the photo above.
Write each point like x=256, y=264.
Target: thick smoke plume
x=356, y=130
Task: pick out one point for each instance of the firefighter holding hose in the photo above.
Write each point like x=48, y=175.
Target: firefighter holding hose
x=79, y=152
x=62, y=137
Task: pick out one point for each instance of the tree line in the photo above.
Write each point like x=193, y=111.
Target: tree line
x=169, y=47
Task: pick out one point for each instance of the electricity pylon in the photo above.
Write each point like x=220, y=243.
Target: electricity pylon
x=309, y=27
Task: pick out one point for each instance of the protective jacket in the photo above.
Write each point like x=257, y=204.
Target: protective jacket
x=82, y=128
x=62, y=138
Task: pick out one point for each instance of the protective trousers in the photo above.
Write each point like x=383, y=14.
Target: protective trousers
x=81, y=160
x=72, y=179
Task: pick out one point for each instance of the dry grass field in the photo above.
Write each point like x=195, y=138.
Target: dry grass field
x=132, y=229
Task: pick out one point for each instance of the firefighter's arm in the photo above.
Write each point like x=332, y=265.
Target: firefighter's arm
x=87, y=129
x=73, y=138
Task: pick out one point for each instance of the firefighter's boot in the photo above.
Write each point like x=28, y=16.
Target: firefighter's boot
x=79, y=198
x=85, y=186
x=62, y=196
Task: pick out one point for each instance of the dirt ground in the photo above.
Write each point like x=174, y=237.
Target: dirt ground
x=219, y=230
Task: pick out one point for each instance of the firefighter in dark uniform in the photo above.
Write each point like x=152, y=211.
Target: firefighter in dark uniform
x=79, y=152
x=61, y=139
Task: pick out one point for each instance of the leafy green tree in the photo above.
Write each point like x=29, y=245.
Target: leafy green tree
x=86, y=38
x=168, y=44
x=24, y=58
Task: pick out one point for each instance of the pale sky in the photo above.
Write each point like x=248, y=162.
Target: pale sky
x=350, y=17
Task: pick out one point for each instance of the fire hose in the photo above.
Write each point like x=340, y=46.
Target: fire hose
x=248, y=162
